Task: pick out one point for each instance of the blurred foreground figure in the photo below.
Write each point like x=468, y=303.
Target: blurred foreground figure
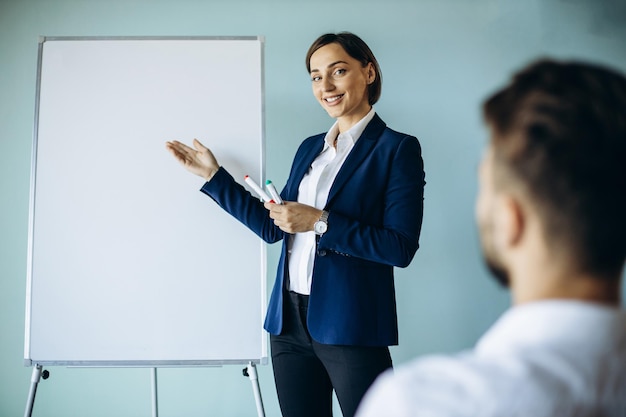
x=551, y=212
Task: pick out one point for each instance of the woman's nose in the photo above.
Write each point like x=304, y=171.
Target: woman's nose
x=327, y=85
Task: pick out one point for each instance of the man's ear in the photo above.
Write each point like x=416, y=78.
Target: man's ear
x=511, y=222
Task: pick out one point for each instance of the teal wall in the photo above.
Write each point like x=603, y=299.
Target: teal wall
x=439, y=58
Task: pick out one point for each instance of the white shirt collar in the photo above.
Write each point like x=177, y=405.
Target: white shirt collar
x=541, y=322
x=353, y=134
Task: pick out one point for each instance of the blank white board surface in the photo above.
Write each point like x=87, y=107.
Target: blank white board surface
x=129, y=264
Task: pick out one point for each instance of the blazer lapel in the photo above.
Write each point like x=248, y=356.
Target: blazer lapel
x=303, y=164
x=361, y=149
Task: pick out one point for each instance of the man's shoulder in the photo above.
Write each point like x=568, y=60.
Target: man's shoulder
x=536, y=382
x=434, y=385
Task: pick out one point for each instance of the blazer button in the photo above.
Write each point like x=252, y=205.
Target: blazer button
x=321, y=252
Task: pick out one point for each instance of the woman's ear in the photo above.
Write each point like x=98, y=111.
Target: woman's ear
x=371, y=73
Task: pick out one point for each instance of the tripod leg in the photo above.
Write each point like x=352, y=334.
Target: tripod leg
x=34, y=382
x=254, y=379
x=155, y=398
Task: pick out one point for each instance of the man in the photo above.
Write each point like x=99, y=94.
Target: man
x=551, y=212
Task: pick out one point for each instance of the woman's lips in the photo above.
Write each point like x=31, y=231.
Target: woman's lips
x=333, y=100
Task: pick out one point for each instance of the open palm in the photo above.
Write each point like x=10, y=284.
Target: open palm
x=198, y=160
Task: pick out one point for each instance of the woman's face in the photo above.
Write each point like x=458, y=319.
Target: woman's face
x=340, y=84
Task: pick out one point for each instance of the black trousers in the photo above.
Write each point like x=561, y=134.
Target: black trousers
x=306, y=372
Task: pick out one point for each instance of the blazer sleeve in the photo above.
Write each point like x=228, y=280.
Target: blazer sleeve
x=238, y=202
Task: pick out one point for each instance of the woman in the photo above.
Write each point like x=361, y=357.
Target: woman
x=353, y=210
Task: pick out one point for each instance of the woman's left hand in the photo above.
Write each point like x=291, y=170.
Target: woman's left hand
x=293, y=217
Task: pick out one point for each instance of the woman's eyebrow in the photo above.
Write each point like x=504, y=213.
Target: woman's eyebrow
x=329, y=65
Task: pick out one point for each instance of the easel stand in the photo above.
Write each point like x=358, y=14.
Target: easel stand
x=155, y=393
x=38, y=373
x=249, y=371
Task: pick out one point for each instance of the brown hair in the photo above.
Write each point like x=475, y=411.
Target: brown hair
x=559, y=131
x=357, y=49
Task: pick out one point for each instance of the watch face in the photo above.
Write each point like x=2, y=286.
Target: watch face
x=320, y=227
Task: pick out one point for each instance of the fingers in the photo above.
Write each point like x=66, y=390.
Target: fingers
x=179, y=146
x=199, y=146
x=293, y=217
x=175, y=150
x=276, y=213
x=184, y=152
x=180, y=151
x=272, y=206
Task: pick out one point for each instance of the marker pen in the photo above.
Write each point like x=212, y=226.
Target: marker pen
x=257, y=189
x=273, y=192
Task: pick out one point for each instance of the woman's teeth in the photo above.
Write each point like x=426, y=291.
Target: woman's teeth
x=333, y=99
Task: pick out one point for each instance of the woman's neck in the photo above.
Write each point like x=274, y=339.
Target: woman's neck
x=346, y=122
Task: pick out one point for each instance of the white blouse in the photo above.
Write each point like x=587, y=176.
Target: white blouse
x=313, y=191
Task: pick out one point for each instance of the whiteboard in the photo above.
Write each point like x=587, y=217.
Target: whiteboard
x=128, y=263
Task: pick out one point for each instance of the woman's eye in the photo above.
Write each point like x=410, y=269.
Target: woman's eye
x=340, y=71
x=316, y=79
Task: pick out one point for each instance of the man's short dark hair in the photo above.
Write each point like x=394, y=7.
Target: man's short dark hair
x=559, y=133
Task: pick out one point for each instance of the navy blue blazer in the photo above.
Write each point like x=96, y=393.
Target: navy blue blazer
x=376, y=209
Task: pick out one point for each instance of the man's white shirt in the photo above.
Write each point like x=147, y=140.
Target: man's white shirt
x=542, y=359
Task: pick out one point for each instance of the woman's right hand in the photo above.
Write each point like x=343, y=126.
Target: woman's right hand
x=199, y=161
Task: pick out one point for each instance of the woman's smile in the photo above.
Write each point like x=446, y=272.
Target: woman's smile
x=333, y=100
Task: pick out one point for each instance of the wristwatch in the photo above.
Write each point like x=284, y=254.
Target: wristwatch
x=321, y=225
